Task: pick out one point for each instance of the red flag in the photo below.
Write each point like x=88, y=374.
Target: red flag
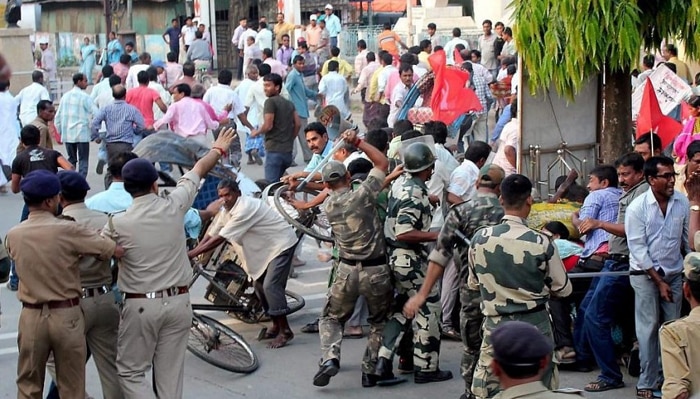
x=651, y=119
x=451, y=98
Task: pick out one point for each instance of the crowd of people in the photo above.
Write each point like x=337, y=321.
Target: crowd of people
x=427, y=246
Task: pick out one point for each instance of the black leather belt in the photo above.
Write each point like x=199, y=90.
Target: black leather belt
x=96, y=291
x=172, y=291
x=619, y=258
x=378, y=261
x=68, y=303
x=638, y=273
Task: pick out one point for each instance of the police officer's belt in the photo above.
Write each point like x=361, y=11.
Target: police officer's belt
x=378, y=261
x=96, y=291
x=68, y=303
x=172, y=291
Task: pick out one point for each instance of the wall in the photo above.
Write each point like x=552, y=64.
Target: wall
x=148, y=17
x=547, y=120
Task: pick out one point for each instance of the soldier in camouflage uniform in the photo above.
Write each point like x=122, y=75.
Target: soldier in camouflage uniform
x=406, y=230
x=516, y=269
x=362, y=263
x=461, y=223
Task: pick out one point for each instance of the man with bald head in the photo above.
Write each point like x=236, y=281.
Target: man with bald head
x=122, y=121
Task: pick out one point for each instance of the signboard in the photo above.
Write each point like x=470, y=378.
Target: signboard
x=670, y=90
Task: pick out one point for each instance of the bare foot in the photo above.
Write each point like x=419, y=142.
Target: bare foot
x=281, y=340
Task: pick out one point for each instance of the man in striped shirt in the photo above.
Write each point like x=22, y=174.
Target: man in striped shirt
x=123, y=121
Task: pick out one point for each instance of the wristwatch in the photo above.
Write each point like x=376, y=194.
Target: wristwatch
x=695, y=208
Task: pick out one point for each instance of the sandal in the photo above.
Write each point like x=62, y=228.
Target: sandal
x=646, y=393
x=452, y=334
x=311, y=327
x=601, y=386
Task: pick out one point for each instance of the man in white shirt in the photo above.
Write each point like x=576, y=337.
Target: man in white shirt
x=131, y=77
x=235, y=40
x=450, y=46
x=361, y=57
x=265, y=245
x=251, y=52
x=488, y=52
x=264, y=37
x=509, y=143
x=463, y=179
x=30, y=96
x=255, y=99
x=399, y=92
x=48, y=60
x=188, y=33
x=206, y=36
x=334, y=89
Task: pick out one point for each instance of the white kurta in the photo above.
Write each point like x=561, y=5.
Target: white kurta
x=9, y=135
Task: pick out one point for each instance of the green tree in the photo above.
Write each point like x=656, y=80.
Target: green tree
x=566, y=42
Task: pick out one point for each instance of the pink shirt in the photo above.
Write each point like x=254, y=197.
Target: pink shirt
x=187, y=117
x=276, y=67
x=210, y=111
x=393, y=81
x=143, y=98
x=121, y=70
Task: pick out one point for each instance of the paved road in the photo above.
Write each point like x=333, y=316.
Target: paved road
x=285, y=372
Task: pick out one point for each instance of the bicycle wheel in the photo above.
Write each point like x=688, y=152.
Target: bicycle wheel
x=219, y=345
x=296, y=223
x=294, y=302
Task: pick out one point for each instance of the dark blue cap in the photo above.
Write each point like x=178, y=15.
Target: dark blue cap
x=72, y=181
x=518, y=343
x=139, y=171
x=40, y=184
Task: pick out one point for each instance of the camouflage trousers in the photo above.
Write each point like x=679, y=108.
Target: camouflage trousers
x=470, y=320
x=351, y=281
x=486, y=385
x=409, y=270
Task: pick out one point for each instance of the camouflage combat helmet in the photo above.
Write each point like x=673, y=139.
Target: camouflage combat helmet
x=418, y=157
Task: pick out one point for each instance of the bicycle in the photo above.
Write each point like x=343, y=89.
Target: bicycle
x=230, y=290
x=202, y=74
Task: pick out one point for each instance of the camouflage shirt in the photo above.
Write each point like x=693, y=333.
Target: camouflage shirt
x=483, y=210
x=409, y=209
x=354, y=220
x=517, y=268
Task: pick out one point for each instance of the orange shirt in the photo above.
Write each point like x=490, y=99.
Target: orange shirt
x=388, y=41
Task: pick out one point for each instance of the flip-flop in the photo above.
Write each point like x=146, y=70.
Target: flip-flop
x=602, y=386
x=310, y=328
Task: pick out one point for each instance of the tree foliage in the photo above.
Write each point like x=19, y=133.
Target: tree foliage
x=564, y=42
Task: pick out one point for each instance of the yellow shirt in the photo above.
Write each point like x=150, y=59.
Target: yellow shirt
x=282, y=29
x=344, y=67
x=423, y=57
x=682, y=69
x=373, y=92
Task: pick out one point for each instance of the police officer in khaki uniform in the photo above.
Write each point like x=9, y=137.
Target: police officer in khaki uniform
x=680, y=340
x=362, y=268
x=520, y=356
x=47, y=251
x=97, y=302
x=156, y=313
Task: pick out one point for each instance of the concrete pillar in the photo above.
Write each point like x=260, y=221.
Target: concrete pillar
x=17, y=49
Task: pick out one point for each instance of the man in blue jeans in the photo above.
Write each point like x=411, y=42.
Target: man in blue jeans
x=601, y=306
x=280, y=126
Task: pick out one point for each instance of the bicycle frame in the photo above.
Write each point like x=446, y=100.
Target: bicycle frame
x=199, y=270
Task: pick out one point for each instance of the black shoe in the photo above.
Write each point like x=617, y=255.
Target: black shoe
x=310, y=328
x=406, y=365
x=327, y=370
x=384, y=366
x=369, y=380
x=634, y=367
x=100, y=167
x=577, y=366
x=424, y=377
x=467, y=396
